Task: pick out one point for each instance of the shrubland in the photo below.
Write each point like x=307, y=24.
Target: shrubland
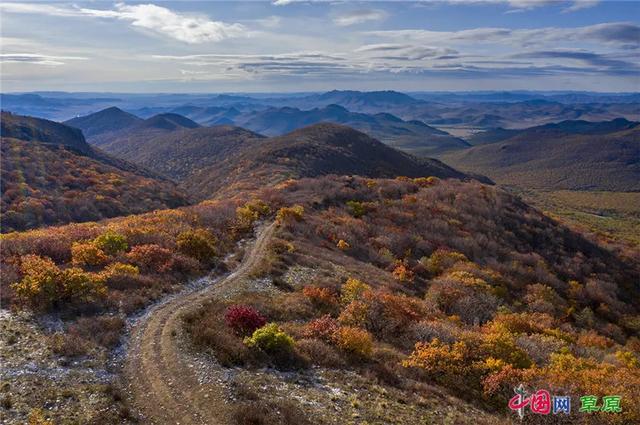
x=420, y=282
x=93, y=274
x=456, y=284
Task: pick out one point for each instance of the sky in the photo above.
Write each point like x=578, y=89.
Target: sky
x=296, y=46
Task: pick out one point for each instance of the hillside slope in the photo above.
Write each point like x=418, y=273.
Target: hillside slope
x=553, y=130
x=412, y=136
x=317, y=150
x=50, y=175
x=549, y=160
x=179, y=154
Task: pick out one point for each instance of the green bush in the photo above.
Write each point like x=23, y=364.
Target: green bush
x=199, y=244
x=356, y=209
x=271, y=339
x=111, y=243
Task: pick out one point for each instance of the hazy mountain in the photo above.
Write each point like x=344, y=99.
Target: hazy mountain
x=549, y=157
x=50, y=175
x=179, y=154
x=554, y=129
x=411, y=136
x=115, y=120
x=105, y=121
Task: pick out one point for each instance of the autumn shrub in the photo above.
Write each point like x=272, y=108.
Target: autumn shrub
x=502, y=345
x=389, y=316
x=322, y=328
x=402, y=272
x=343, y=245
x=271, y=339
x=199, y=244
x=44, y=285
x=352, y=289
x=269, y=412
x=37, y=417
x=356, y=209
x=320, y=352
x=111, y=243
x=353, y=340
x=151, y=258
x=81, y=287
x=244, y=320
x=294, y=213
x=428, y=330
x=203, y=326
x=87, y=334
x=439, y=360
x=355, y=314
x=87, y=254
x=321, y=298
x=442, y=259
x=251, y=211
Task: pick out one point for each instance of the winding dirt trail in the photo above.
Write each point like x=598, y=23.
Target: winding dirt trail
x=164, y=387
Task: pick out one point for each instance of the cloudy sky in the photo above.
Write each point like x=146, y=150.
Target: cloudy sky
x=289, y=45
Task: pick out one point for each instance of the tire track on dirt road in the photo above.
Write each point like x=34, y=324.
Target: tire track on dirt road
x=163, y=387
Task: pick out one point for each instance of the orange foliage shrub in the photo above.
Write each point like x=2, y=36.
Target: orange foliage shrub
x=44, y=285
x=87, y=254
x=151, y=258
x=402, y=272
x=354, y=340
x=355, y=314
x=437, y=358
x=343, y=245
x=321, y=298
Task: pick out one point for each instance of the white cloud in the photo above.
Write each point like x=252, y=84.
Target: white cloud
x=581, y=4
x=157, y=19
x=622, y=33
x=360, y=16
x=522, y=5
x=37, y=59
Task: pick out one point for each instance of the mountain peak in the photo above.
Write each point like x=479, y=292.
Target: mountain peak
x=104, y=121
x=169, y=121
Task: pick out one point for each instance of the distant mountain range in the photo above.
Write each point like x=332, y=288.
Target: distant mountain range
x=575, y=155
x=50, y=175
x=112, y=126
x=461, y=109
x=206, y=159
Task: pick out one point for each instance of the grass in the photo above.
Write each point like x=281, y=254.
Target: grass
x=614, y=215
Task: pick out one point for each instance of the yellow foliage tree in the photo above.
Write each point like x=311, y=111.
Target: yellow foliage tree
x=352, y=290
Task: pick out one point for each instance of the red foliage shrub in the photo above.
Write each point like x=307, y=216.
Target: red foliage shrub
x=244, y=319
x=152, y=258
x=322, y=328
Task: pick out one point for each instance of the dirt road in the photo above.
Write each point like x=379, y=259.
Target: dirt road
x=165, y=387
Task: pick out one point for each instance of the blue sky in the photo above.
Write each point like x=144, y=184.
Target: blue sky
x=285, y=45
